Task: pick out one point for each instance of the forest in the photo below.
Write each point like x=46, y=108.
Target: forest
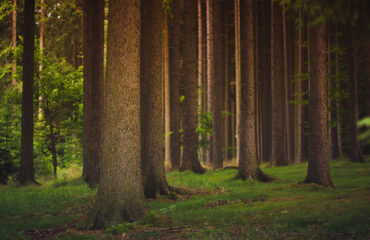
x=184, y=119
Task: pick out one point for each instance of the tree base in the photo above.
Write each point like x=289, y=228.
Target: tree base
x=323, y=182
x=258, y=175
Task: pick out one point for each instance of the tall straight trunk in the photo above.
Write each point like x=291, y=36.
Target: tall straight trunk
x=338, y=86
x=189, y=117
x=266, y=75
x=248, y=165
x=298, y=98
x=318, y=161
x=287, y=123
x=42, y=32
x=210, y=71
x=152, y=159
x=226, y=84
x=121, y=196
x=333, y=126
x=354, y=151
x=167, y=90
x=237, y=79
x=278, y=156
x=218, y=82
x=93, y=98
x=14, y=40
x=26, y=169
x=200, y=69
x=175, y=70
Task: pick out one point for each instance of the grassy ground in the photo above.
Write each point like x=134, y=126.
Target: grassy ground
x=219, y=207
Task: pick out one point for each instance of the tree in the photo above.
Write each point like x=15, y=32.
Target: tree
x=189, y=119
x=26, y=169
x=355, y=154
x=93, y=96
x=318, y=156
x=121, y=196
x=278, y=147
x=14, y=40
x=175, y=72
x=248, y=165
x=152, y=164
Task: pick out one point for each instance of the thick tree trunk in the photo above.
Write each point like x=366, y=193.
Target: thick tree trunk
x=152, y=159
x=318, y=161
x=354, y=151
x=26, y=169
x=278, y=156
x=200, y=71
x=226, y=107
x=93, y=98
x=121, y=196
x=175, y=71
x=14, y=40
x=189, y=119
x=248, y=165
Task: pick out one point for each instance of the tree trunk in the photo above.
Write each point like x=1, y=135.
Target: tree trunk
x=189, y=119
x=167, y=90
x=226, y=84
x=237, y=79
x=14, y=40
x=354, y=151
x=278, y=147
x=175, y=70
x=93, y=97
x=152, y=164
x=26, y=169
x=248, y=165
x=318, y=161
x=121, y=196
x=200, y=71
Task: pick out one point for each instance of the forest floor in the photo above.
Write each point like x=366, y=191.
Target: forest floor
x=213, y=206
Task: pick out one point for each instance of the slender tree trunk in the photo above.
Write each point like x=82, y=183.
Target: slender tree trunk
x=318, y=161
x=26, y=169
x=152, y=164
x=237, y=79
x=248, y=165
x=121, y=196
x=278, y=146
x=189, y=119
x=338, y=102
x=226, y=84
x=287, y=138
x=167, y=91
x=93, y=26
x=42, y=32
x=175, y=70
x=355, y=154
x=14, y=41
x=200, y=71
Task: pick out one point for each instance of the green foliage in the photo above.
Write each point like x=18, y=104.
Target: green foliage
x=204, y=129
x=365, y=123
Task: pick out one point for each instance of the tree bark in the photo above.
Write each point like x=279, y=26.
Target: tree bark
x=93, y=98
x=175, y=70
x=167, y=90
x=354, y=151
x=318, y=161
x=226, y=84
x=26, y=169
x=189, y=119
x=14, y=41
x=237, y=79
x=278, y=147
x=121, y=196
x=152, y=164
x=248, y=164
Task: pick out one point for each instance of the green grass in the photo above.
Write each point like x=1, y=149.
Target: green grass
x=223, y=208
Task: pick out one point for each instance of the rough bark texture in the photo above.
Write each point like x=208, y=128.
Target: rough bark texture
x=167, y=90
x=152, y=159
x=237, y=78
x=93, y=98
x=226, y=107
x=189, y=119
x=217, y=81
x=26, y=169
x=200, y=69
x=175, y=71
x=248, y=165
x=318, y=157
x=354, y=151
x=121, y=196
x=278, y=147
